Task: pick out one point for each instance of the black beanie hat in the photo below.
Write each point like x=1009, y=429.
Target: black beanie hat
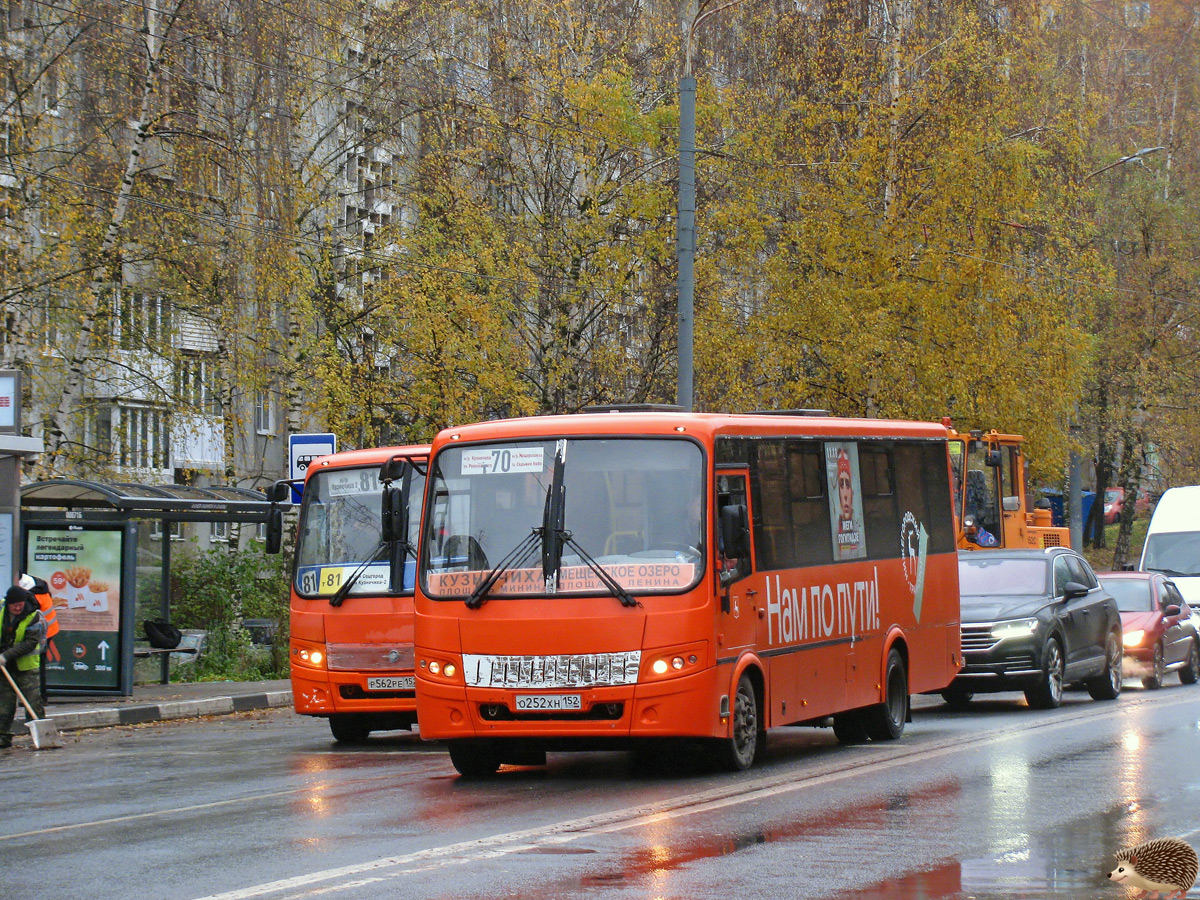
x=18, y=594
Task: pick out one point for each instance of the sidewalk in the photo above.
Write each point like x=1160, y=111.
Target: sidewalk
x=159, y=702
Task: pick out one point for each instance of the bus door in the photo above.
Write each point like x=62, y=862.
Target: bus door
x=734, y=562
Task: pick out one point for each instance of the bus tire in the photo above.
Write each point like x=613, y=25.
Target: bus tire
x=746, y=735
x=956, y=698
x=848, y=727
x=474, y=759
x=349, y=728
x=885, y=721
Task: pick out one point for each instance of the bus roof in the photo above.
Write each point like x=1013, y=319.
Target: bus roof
x=705, y=426
x=371, y=456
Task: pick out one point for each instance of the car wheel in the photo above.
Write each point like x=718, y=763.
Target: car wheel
x=1047, y=694
x=474, y=759
x=737, y=752
x=349, y=728
x=956, y=698
x=848, y=727
x=1154, y=680
x=1190, y=673
x=1107, y=685
x=885, y=721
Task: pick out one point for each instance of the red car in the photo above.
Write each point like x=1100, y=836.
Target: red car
x=1114, y=502
x=1160, y=631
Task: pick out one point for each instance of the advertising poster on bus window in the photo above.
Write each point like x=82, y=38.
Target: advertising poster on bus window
x=845, y=500
x=83, y=570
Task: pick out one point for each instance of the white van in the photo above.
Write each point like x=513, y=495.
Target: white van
x=1173, y=541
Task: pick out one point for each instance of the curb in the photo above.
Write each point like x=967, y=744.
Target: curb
x=159, y=712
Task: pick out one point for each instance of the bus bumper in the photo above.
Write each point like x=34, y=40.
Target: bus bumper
x=675, y=707
x=318, y=693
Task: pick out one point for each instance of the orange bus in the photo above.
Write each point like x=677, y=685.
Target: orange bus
x=351, y=618
x=607, y=579
x=990, y=491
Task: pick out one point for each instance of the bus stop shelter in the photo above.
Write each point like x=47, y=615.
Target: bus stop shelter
x=82, y=537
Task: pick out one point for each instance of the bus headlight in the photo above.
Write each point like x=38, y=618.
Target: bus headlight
x=306, y=653
x=674, y=661
x=440, y=669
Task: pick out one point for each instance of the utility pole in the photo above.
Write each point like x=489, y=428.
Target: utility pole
x=685, y=234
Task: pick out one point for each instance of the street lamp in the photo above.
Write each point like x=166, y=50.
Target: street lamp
x=685, y=234
x=1075, y=465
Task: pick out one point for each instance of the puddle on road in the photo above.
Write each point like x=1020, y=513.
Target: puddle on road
x=1070, y=860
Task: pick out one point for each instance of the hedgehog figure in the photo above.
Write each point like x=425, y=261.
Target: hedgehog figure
x=1164, y=866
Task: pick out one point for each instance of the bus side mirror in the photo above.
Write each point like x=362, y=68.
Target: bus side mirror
x=392, y=469
x=735, y=532
x=274, y=528
x=279, y=492
x=394, y=520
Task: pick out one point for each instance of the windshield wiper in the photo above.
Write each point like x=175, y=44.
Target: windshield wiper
x=479, y=595
x=626, y=598
x=340, y=594
x=553, y=518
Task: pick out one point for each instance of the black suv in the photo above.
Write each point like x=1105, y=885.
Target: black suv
x=1032, y=621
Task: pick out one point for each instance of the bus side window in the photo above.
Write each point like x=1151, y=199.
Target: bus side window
x=733, y=528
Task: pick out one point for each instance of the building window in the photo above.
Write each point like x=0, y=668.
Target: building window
x=145, y=438
x=195, y=380
x=174, y=529
x=50, y=89
x=102, y=436
x=142, y=320
x=264, y=413
x=1137, y=14
x=219, y=532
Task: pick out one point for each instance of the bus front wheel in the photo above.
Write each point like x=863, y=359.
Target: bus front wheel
x=349, y=728
x=474, y=759
x=885, y=721
x=746, y=734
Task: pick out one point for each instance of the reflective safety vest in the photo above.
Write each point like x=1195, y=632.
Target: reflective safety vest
x=33, y=661
x=49, y=613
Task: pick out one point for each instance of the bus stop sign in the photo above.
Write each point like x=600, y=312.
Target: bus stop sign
x=302, y=450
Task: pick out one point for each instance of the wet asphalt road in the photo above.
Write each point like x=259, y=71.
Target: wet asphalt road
x=999, y=802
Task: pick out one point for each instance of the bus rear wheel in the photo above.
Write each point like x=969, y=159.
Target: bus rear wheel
x=885, y=721
x=349, y=728
x=848, y=727
x=474, y=759
x=746, y=735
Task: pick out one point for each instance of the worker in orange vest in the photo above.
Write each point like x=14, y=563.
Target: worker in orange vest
x=41, y=593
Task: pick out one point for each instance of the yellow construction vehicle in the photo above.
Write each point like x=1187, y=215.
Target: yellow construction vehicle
x=989, y=494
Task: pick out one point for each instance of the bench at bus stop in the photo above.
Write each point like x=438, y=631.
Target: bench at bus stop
x=191, y=645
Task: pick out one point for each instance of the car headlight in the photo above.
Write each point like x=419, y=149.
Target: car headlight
x=1133, y=638
x=1014, y=629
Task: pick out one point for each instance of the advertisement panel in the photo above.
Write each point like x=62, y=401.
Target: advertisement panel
x=845, y=495
x=83, y=567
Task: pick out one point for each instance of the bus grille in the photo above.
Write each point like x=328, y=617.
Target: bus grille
x=369, y=657
x=584, y=670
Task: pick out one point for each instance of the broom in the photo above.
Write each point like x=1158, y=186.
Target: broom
x=43, y=731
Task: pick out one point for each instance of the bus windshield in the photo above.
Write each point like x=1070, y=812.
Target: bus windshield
x=340, y=525
x=630, y=507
